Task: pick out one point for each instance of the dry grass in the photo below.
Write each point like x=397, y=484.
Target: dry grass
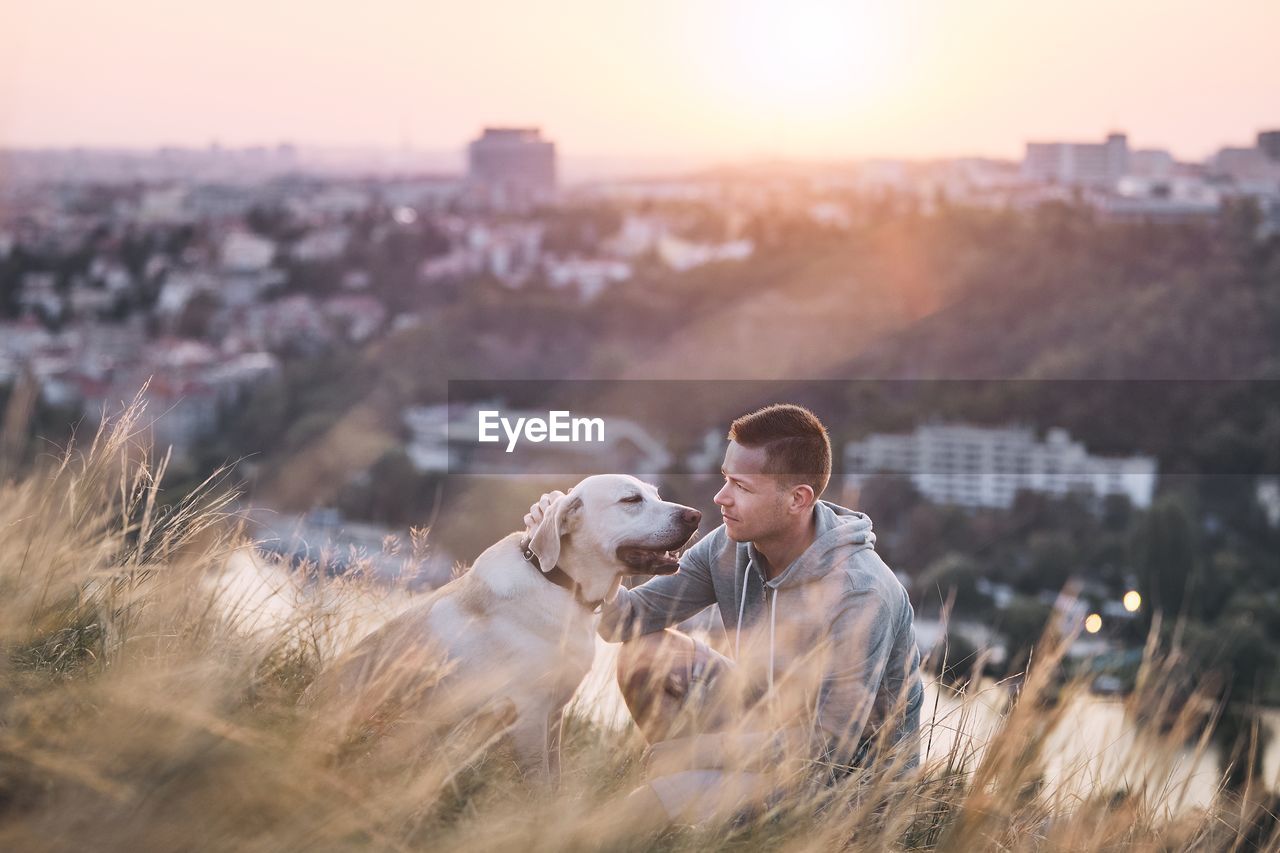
x=142, y=709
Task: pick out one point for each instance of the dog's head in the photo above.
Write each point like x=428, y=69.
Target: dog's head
x=611, y=525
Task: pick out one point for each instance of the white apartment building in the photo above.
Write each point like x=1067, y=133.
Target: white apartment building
x=986, y=467
x=591, y=276
x=1083, y=164
x=682, y=255
x=242, y=252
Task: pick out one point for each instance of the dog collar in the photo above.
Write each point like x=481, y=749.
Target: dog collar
x=560, y=578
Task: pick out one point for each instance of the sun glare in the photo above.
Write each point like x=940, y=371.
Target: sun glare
x=802, y=53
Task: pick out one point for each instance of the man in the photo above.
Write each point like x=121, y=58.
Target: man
x=825, y=665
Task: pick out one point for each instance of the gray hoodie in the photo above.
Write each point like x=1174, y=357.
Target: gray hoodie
x=838, y=596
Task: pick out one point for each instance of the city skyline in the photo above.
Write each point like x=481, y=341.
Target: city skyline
x=710, y=81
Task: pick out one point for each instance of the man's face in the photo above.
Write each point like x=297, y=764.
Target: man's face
x=752, y=503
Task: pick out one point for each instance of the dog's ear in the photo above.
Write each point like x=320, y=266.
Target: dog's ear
x=561, y=518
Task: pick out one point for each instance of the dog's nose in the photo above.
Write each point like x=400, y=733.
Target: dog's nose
x=691, y=517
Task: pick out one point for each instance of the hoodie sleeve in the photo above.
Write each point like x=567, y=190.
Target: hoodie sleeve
x=664, y=601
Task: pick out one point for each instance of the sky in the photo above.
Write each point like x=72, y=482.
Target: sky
x=726, y=79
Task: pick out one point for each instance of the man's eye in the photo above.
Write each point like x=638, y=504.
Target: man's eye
x=633, y=499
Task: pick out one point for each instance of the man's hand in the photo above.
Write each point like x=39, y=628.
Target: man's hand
x=534, y=516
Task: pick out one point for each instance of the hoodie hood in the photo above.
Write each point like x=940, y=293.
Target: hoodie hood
x=840, y=532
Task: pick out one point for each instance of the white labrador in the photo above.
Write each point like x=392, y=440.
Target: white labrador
x=511, y=639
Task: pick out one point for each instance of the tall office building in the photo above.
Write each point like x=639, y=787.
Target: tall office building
x=1269, y=144
x=1086, y=164
x=513, y=164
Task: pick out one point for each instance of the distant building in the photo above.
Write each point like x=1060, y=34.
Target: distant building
x=682, y=255
x=163, y=206
x=987, y=467
x=510, y=252
x=1170, y=199
x=359, y=318
x=591, y=276
x=242, y=252
x=512, y=164
x=322, y=245
x=638, y=235
x=1153, y=163
x=1083, y=164
x=1269, y=144
x=1245, y=166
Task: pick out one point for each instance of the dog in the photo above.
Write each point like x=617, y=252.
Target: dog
x=511, y=639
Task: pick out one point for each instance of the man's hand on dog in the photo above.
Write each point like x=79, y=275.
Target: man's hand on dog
x=534, y=516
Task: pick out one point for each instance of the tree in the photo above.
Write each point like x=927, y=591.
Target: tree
x=1163, y=554
x=953, y=574
x=1023, y=623
x=1237, y=651
x=1053, y=558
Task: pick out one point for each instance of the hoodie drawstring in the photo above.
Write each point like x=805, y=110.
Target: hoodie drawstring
x=773, y=620
x=742, y=607
x=773, y=613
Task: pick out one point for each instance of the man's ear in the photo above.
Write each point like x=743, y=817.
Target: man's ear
x=802, y=497
x=560, y=520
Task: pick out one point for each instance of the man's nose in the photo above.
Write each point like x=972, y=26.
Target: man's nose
x=722, y=496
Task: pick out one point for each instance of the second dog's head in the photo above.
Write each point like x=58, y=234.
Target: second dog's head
x=610, y=525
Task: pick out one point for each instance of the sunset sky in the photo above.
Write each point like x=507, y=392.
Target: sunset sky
x=727, y=79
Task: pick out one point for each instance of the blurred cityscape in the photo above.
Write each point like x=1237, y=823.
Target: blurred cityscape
x=202, y=269
x=298, y=314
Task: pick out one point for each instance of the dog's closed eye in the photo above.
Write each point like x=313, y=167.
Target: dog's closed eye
x=631, y=499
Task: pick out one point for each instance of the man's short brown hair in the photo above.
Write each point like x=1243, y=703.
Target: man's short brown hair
x=796, y=444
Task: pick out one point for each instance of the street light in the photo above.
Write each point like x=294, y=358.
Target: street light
x=1132, y=601
x=1093, y=623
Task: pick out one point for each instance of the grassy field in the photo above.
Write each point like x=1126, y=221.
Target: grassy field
x=141, y=709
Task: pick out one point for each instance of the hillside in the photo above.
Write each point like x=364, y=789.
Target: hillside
x=1049, y=295
x=1062, y=296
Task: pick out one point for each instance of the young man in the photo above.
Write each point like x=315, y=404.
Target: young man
x=825, y=665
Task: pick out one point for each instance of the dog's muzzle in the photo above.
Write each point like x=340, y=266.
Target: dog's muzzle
x=664, y=557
